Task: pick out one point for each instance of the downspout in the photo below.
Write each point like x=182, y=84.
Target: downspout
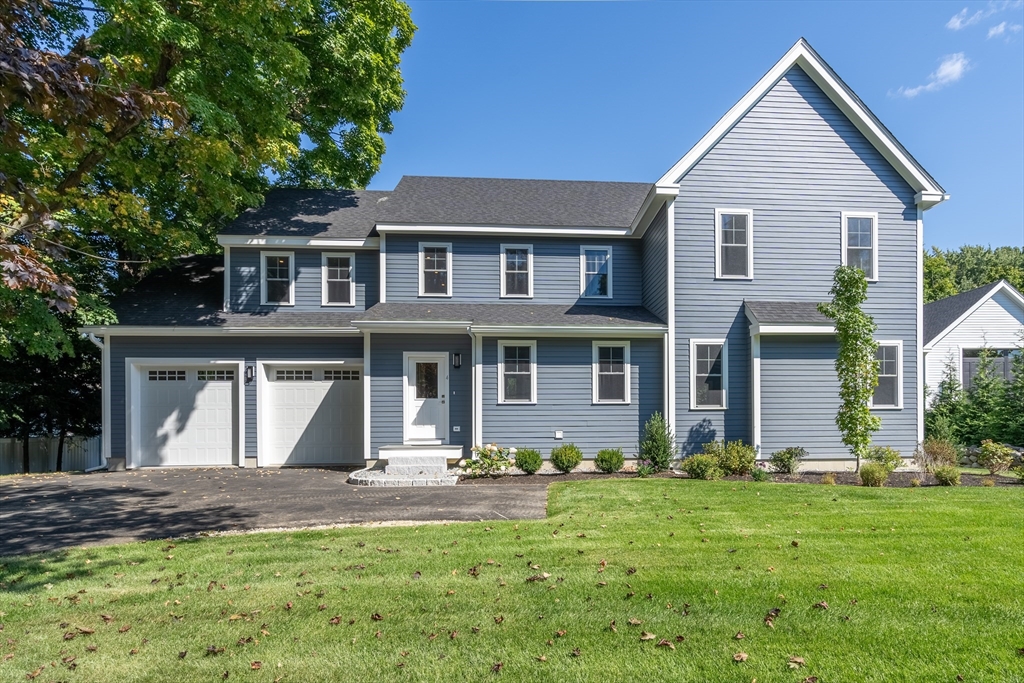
x=105, y=387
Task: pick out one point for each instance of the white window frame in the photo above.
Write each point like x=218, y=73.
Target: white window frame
x=596, y=372
x=529, y=266
x=873, y=215
x=749, y=213
x=422, y=263
x=725, y=374
x=263, y=278
x=583, y=269
x=351, y=256
x=898, y=343
x=502, y=343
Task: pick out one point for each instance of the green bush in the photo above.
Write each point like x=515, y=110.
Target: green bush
x=733, y=457
x=873, y=474
x=887, y=457
x=757, y=474
x=934, y=452
x=947, y=475
x=995, y=456
x=828, y=479
x=528, y=460
x=490, y=460
x=566, y=457
x=609, y=460
x=702, y=466
x=658, y=446
x=786, y=460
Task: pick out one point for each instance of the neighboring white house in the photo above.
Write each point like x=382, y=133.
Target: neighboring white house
x=958, y=327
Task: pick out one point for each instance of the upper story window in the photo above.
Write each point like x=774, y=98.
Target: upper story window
x=338, y=284
x=860, y=242
x=596, y=272
x=888, y=392
x=734, y=250
x=517, y=372
x=278, y=278
x=611, y=372
x=435, y=269
x=517, y=270
x=709, y=373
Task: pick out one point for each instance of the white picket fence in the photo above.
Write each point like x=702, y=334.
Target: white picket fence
x=79, y=454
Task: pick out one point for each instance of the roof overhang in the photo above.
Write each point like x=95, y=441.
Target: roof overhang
x=760, y=328
x=603, y=331
x=270, y=241
x=929, y=192
x=414, y=326
x=172, y=331
x=539, y=230
x=1001, y=286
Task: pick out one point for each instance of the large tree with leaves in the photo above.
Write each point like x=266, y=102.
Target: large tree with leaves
x=130, y=131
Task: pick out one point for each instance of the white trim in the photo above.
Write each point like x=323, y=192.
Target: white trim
x=501, y=371
x=899, y=375
x=919, y=400
x=417, y=326
x=171, y=331
x=749, y=213
x=584, y=248
x=529, y=265
x=670, y=333
x=291, y=278
x=382, y=295
x=105, y=433
x=658, y=195
x=755, y=386
x=802, y=55
x=367, y=397
x=792, y=329
x=227, y=280
x=498, y=230
x=133, y=394
x=324, y=255
x=595, y=371
x=448, y=265
x=267, y=241
x=570, y=330
x=1001, y=286
x=725, y=374
x=443, y=362
x=478, y=395
x=873, y=215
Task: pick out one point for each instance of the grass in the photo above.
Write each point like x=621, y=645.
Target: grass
x=921, y=584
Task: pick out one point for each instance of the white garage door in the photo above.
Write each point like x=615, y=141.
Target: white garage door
x=314, y=415
x=187, y=416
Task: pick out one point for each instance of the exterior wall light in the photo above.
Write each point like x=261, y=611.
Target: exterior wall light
x=456, y=360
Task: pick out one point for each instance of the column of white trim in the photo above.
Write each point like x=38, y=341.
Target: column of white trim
x=105, y=428
x=670, y=296
x=367, y=452
x=227, y=279
x=478, y=387
x=755, y=384
x=382, y=297
x=919, y=327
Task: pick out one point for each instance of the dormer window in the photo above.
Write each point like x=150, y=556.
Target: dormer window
x=278, y=278
x=435, y=269
x=596, y=272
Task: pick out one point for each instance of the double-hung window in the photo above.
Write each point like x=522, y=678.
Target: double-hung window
x=734, y=250
x=435, y=269
x=860, y=242
x=278, y=278
x=596, y=272
x=888, y=392
x=611, y=372
x=517, y=270
x=709, y=374
x=338, y=280
x=517, y=372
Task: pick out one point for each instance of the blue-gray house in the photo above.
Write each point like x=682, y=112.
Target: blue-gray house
x=344, y=326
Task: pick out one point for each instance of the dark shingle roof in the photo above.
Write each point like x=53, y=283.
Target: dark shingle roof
x=786, y=313
x=938, y=315
x=512, y=314
x=504, y=201
x=311, y=213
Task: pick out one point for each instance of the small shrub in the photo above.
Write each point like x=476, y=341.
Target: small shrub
x=702, y=466
x=1019, y=471
x=828, y=479
x=644, y=469
x=947, y=475
x=934, y=452
x=734, y=457
x=995, y=456
x=786, y=460
x=988, y=481
x=566, y=457
x=915, y=482
x=658, y=446
x=491, y=461
x=757, y=474
x=529, y=460
x=873, y=474
x=609, y=460
x=887, y=457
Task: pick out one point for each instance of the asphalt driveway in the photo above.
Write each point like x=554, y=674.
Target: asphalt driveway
x=47, y=512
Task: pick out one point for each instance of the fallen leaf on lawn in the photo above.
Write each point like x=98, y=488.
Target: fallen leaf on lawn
x=740, y=657
x=378, y=635
x=376, y=617
x=453, y=635
x=740, y=636
x=795, y=544
x=33, y=674
x=236, y=617
x=498, y=666
x=823, y=587
x=106, y=618
x=542, y=658
x=576, y=652
x=612, y=627
x=182, y=654
x=539, y=577
x=810, y=679
x=225, y=675
x=647, y=635
x=633, y=621
x=214, y=650
x=288, y=605
x=70, y=635
x=86, y=631
x=666, y=643
x=475, y=629
x=125, y=628
x=92, y=648
x=680, y=639
x=321, y=607
x=602, y=584
x=769, y=619
x=821, y=605
x=559, y=634
x=796, y=662
x=133, y=651
x=498, y=619
x=256, y=666
x=8, y=656
x=416, y=575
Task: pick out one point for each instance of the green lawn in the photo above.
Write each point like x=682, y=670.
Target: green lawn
x=921, y=585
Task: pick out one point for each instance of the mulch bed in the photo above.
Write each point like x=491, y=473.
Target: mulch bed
x=896, y=479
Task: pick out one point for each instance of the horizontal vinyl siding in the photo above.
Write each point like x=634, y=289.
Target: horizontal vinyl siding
x=655, y=265
x=387, y=382
x=797, y=162
x=245, y=279
x=476, y=270
x=250, y=349
x=565, y=399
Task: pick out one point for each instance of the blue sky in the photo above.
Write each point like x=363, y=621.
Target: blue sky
x=621, y=90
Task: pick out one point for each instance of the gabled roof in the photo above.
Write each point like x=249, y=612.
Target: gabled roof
x=929, y=192
x=344, y=214
x=943, y=315
x=540, y=315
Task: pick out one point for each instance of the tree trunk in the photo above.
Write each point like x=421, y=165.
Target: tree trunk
x=24, y=449
x=60, y=450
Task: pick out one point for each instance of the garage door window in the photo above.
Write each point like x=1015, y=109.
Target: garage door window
x=294, y=376
x=166, y=375
x=335, y=375
x=217, y=375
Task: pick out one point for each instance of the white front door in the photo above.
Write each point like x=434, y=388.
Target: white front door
x=426, y=398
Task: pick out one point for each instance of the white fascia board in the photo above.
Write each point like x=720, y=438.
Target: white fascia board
x=384, y=228
x=414, y=326
x=803, y=56
x=656, y=198
x=603, y=331
x=926, y=200
x=792, y=329
x=1001, y=286
x=269, y=241
x=140, y=331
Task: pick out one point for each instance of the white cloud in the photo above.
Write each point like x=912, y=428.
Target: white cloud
x=960, y=19
x=964, y=18
x=1002, y=28
x=951, y=69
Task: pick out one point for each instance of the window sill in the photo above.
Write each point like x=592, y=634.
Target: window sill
x=596, y=298
x=333, y=305
x=516, y=296
x=610, y=403
x=423, y=295
x=693, y=407
x=517, y=403
x=885, y=407
x=274, y=303
x=746, y=278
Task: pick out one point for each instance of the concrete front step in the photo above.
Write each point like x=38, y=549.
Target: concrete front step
x=413, y=461
x=378, y=477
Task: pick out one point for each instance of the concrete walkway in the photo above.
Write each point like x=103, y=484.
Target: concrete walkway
x=48, y=512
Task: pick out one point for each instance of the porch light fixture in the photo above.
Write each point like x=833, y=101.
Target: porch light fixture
x=250, y=373
x=456, y=360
